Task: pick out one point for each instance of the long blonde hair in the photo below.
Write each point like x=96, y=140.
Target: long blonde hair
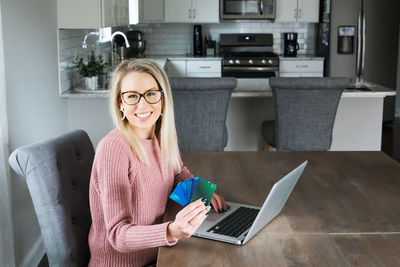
x=165, y=126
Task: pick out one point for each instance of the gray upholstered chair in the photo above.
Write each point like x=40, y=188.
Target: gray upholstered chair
x=57, y=172
x=200, y=106
x=305, y=111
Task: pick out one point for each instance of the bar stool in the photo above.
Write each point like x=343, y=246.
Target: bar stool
x=305, y=111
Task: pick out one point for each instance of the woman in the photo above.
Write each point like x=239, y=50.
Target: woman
x=134, y=170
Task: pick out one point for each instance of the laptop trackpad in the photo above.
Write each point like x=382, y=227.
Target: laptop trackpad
x=213, y=216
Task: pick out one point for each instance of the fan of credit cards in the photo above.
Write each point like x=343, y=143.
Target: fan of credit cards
x=192, y=189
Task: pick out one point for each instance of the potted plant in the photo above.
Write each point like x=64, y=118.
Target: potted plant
x=90, y=70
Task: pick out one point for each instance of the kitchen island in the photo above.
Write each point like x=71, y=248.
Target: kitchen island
x=358, y=123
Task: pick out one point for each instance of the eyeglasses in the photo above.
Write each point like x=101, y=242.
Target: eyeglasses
x=132, y=98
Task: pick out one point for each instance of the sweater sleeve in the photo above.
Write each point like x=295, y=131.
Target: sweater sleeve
x=115, y=193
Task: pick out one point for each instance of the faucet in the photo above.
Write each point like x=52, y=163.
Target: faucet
x=84, y=45
x=112, y=45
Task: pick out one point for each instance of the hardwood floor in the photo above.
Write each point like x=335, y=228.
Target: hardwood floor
x=44, y=262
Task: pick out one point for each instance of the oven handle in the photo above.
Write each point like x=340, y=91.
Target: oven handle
x=265, y=69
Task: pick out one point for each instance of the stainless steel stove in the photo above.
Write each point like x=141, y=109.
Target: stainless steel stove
x=248, y=56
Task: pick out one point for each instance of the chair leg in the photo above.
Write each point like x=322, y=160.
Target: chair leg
x=265, y=146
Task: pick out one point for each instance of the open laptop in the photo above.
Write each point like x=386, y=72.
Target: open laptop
x=241, y=222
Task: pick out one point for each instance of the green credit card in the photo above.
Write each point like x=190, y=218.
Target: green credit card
x=204, y=189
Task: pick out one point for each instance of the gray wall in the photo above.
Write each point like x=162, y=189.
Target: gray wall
x=35, y=111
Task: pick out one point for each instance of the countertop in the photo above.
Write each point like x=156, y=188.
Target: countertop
x=260, y=88
x=255, y=88
x=245, y=87
x=301, y=57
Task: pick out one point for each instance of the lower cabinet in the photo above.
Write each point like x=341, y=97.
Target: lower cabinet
x=294, y=67
x=193, y=68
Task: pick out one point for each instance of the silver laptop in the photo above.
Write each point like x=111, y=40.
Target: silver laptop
x=241, y=222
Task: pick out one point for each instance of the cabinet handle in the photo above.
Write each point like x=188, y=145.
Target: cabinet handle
x=300, y=13
x=295, y=13
x=190, y=13
x=205, y=67
x=194, y=13
x=301, y=66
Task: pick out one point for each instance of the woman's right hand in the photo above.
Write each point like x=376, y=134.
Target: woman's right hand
x=187, y=220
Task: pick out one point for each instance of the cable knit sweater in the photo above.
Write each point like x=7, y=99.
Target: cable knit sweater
x=127, y=202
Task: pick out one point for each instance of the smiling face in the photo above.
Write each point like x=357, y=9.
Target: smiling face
x=143, y=116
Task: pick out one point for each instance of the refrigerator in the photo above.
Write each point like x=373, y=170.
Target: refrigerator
x=360, y=39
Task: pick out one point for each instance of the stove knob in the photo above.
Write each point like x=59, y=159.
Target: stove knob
x=230, y=61
x=263, y=61
x=250, y=61
x=237, y=61
x=270, y=61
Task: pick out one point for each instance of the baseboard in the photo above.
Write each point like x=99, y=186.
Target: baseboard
x=35, y=254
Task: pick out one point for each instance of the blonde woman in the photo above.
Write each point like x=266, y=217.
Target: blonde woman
x=135, y=169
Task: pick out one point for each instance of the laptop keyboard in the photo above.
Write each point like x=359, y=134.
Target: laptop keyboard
x=236, y=223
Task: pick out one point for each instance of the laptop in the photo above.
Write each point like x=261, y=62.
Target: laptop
x=241, y=222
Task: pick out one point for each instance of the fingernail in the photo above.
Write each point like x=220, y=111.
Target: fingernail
x=208, y=208
x=204, y=199
x=219, y=211
x=207, y=213
x=223, y=210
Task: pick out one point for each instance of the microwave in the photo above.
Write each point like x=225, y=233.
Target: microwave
x=247, y=9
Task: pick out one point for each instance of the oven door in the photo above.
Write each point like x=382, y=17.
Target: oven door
x=247, y=9
x=250, y=72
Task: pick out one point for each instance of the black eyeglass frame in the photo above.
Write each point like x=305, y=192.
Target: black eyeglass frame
x=140, y=96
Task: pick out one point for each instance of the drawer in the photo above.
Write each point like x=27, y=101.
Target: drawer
x=301, y=66
x=203, y=66
x=203, y=74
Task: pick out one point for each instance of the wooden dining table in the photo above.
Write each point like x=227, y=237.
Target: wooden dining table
x=344, y=210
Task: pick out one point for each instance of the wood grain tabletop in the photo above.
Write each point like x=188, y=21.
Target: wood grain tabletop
x=344, y=210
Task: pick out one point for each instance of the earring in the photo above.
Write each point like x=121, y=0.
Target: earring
x=123, y=114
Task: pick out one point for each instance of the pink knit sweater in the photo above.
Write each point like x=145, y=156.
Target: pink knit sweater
x=127, y=202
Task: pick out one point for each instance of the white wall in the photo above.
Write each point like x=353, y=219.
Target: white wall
x=35, y=112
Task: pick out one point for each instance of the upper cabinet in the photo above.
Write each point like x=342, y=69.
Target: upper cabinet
x=297, y=10
x=146, y=11
x=192, y=11
x=89, y=14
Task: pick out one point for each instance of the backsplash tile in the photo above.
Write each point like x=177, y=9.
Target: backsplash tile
x=173, y=39
x=176, y=39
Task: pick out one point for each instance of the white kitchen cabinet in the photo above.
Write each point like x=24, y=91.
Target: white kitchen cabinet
x=294, y=67
x=176, y=68
x=92, y=14
x=193, y=68
x=297, y=10
x=192, y=11
x=146, y=11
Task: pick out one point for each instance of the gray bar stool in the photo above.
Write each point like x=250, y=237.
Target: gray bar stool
x=305, y=111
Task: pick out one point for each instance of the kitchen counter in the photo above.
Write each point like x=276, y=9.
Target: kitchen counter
x=103, y=93
x=301, y=57
x=260, y=88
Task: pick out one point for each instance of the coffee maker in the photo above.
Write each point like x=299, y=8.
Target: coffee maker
x=138, y=45
x=290, y=44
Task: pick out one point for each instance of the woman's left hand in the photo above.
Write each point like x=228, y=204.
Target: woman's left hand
x=219, y=204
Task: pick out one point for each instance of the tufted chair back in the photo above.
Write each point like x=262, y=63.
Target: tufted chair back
x=200, y=106
x=57, y=172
